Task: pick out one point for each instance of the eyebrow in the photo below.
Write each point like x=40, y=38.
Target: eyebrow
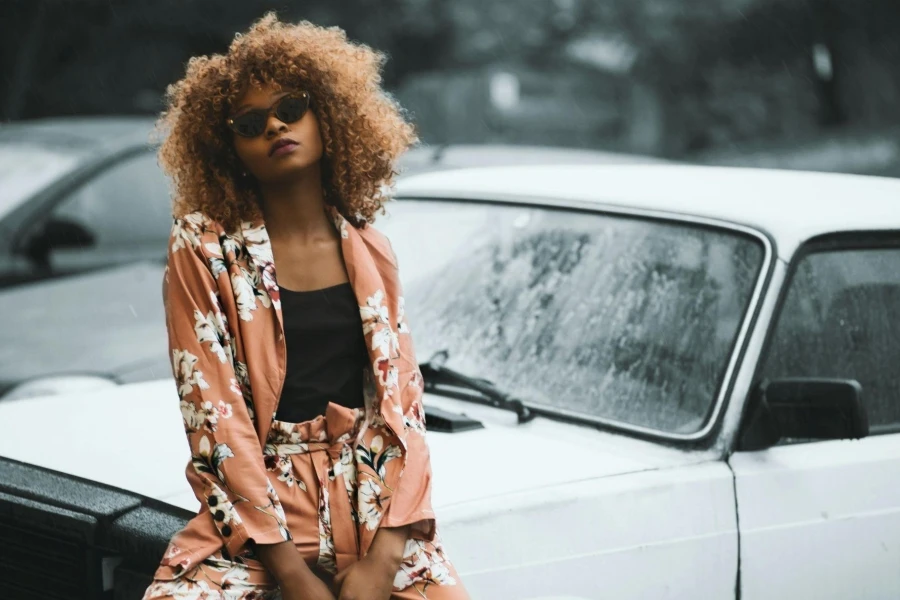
x=243, y=106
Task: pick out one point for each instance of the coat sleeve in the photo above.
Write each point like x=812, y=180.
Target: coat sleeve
x=411, y=500
x=227, y=471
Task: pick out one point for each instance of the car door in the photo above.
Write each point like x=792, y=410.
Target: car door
x=119, y=215
x=821, y=519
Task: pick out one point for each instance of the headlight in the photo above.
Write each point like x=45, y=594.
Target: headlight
x=59, y=384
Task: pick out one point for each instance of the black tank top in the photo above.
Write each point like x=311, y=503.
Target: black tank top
x=326, y=352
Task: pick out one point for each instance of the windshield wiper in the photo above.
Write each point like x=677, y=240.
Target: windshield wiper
x=436, y=374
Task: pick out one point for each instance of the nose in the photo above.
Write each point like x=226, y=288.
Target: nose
x=274, y=127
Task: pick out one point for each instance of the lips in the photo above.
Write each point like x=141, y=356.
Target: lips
x=282, y=146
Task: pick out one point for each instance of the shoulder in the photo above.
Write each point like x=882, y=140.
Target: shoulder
x=379, y=243
x=194, y=229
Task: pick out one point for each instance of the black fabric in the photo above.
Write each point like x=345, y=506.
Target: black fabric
x=326, y=352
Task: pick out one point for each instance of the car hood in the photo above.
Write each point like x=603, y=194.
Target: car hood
x=107, y=322
x=132, y=437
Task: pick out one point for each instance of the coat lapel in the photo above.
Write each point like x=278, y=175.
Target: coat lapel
x=378, y=304
x=261, y=263
x=375, y=304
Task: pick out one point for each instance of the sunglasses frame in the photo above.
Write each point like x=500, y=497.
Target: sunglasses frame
x=302, y=94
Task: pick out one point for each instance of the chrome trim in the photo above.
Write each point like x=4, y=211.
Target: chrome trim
x=603, y=208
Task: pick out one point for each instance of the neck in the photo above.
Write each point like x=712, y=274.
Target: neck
x=295, y=209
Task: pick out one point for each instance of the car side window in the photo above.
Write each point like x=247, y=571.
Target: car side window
x=123, y=205
x=841, y=319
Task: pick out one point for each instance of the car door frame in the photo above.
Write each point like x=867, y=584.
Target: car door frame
x=849, y=479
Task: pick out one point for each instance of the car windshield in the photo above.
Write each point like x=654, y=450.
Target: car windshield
x=610, y=317
x=27, y=168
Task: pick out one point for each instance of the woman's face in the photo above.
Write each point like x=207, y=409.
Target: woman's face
x=283, y=150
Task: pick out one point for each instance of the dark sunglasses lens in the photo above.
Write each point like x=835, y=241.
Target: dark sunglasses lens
x=249, y=124
x=291, y=109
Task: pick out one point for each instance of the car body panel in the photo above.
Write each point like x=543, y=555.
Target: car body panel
x=667, y=533
x=107, y=322
x=820, y=520
x=524, y=513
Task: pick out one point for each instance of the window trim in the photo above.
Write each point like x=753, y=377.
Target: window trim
x=830, y=242
x=709, y=431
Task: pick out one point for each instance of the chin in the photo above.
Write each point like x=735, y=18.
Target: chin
x=288, y=172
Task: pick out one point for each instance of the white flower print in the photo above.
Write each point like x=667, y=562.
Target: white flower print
x=183, y=589
x=339, y=222
x=243, y=383
x=193, y=419
x=279, y=516
x=207, y=416
x=346, y=467
x=243, y=293
x=327, y=554
x=230, y=246
x=185, y=375
x=222, y=509
x=217, y=266
x=185, y=231
x=257, y=285
x=207, y=329
x=369, y=496
x=209, y=458
x=402, y=326
x=236, y=579
x=385, y=341
x=281, y=463
x=235, y=387
x=415, y=419
x=279, y=510
x=214, y=249
x=376, y=456
x=374, y=312
x=256, y=239
x=422, y=562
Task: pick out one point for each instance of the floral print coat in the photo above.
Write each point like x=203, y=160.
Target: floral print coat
x=228, y=355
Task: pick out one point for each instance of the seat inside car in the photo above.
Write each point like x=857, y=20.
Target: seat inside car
x=860, y=337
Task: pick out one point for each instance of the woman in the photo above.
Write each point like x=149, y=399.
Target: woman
x=300, y=393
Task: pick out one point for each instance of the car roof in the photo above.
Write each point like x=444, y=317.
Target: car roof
x=791, y=206
x=88, y=135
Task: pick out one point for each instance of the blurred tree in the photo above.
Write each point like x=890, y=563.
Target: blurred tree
x=92, y=56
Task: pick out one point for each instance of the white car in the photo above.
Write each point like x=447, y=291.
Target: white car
x=642, y=382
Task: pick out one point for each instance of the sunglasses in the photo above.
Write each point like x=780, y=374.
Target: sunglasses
x=252, y=123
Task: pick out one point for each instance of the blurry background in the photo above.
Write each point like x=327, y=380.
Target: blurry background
x=812, y=84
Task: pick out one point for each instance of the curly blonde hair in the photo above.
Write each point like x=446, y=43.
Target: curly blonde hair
x=363, y=129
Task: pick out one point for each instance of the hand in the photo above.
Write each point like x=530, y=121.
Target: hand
x=367, y=579
x=296, y=579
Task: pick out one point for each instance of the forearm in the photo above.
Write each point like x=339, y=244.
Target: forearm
x=388, y=545
x=283, y=561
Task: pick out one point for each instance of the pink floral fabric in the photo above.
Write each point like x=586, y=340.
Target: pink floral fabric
x=226, y=340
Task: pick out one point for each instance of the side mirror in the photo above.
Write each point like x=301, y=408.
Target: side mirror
x=803, y=408
x=57, y=234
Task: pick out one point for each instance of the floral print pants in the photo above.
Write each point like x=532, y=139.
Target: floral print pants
x=312, y=467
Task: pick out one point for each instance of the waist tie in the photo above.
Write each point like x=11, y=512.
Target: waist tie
x=328, y=441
